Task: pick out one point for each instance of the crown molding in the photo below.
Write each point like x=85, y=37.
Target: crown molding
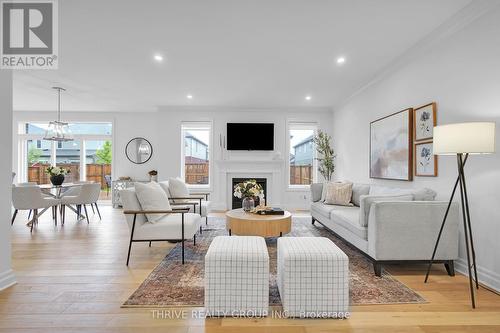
x=468, y=14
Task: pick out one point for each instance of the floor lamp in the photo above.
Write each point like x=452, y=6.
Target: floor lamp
x=462, y=140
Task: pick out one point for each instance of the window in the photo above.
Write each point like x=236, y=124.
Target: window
x=302, y=154
x=196, y=155
x=88, y=156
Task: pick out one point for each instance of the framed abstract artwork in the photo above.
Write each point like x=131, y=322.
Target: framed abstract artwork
x=391, y=146
x=424, y=121
x=426, y=163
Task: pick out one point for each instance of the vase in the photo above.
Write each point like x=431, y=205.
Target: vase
x=57, y=180
x=248, y=204
x=153, y=178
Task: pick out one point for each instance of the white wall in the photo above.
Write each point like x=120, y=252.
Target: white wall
x=163, y=130
x=461, y=74
x=6, y=275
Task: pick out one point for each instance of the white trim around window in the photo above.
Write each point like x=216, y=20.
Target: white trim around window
x=197, y=125
x=298, y=125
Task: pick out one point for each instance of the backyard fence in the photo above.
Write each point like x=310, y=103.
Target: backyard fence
x=300, y=174
x=94, y=172
x=197, y=173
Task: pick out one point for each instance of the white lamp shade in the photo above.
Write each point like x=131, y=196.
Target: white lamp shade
x=472, y=138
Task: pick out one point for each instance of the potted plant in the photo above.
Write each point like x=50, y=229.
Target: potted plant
x=326, y=155
x=153, y=175
x=56, y=174
x=248, y=191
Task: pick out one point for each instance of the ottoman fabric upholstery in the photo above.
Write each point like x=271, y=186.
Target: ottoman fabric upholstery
x=237, y=276
x=313, y=277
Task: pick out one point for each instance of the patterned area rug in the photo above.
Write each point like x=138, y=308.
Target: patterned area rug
x=172, y=284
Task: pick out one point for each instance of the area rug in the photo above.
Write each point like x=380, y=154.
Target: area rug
x=172, y=284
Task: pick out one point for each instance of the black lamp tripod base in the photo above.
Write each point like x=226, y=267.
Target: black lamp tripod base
x=469, y=243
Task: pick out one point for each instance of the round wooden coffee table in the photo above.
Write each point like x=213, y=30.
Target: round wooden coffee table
x=241, y=223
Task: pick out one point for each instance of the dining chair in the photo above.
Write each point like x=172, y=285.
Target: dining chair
x=31, y=198
x=87, y=195
x=45, y=195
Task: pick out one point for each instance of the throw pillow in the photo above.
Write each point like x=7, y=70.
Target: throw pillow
x=357, y=191
x=366, y=202
x=178, y=189
x=323, y=191
x=152, y=197
x=339, y=194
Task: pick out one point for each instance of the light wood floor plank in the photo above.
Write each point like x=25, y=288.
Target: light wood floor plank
x=74, y=279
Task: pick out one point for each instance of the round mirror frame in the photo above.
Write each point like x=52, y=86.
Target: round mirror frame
x=139, y=138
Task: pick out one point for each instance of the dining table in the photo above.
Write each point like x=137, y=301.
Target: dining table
x=57, y=191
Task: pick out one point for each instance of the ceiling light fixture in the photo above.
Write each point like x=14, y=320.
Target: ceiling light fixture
x=308, y=98
x=189, y=96
x=58, y=130
x=158, y=57
x=340, y=60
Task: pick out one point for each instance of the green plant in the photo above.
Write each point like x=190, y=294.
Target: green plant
x=103, y=155
x=34, y=155
x=326, y=155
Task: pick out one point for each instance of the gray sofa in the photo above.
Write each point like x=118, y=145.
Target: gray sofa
x=391, y=225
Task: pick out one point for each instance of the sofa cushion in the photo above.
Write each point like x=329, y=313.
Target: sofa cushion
x=169, y=227
x=420, y=194
x=348, y=217
x=152, y=197
x=322, y=209
x=357, y=191
x=367, y=200
x=323, y=191
x=338, y=194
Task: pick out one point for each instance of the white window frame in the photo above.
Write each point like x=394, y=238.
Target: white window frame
x=291, y=125
x=22, y=138
x=186, y=125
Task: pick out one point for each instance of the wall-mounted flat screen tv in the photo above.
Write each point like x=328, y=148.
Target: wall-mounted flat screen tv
x=250, y=136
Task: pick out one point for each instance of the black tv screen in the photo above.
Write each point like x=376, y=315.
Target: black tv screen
x=250, y=136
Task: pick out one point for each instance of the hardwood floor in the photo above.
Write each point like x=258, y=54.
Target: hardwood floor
x=74, y=279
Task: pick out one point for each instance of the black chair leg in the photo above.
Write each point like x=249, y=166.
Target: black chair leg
x=98, y=212
x=206, y=220
x=63, y=214
x=93, y=211
x=14, y=217
x=194, y=240
x=378, y=269
x=54, y=210
x=86, y=214
x=29, y=214
x=149, y=243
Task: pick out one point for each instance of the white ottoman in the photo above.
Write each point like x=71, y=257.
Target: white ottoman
x=237, y=277
x=313, y=277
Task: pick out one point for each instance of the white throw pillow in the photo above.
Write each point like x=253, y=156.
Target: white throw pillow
x=178, y=189
x=152, y=197
x=323, y=191
x=339, y=194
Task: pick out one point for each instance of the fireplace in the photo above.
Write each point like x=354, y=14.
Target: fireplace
x=236, y=202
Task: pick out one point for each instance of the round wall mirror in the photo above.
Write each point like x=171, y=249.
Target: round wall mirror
x=139, y=150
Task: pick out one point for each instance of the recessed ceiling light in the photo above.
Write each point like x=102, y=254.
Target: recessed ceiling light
x=308, y=98
x=158, y=57
x=340, y=60
x=189, y=96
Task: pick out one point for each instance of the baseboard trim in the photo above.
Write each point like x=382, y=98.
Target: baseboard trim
x=7, y=279
x=486, y=277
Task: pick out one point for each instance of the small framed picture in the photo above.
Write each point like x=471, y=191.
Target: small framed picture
x=424, y=122
x=426, y=163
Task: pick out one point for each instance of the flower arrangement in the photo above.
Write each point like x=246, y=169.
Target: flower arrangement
x=248, y=189
x=56, y=171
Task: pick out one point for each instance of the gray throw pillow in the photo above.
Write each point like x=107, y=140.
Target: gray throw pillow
x=357, y=191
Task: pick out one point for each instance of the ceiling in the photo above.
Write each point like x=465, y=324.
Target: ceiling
x=226, y=53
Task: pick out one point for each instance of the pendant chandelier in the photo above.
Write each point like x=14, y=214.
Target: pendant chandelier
x=58, y=130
